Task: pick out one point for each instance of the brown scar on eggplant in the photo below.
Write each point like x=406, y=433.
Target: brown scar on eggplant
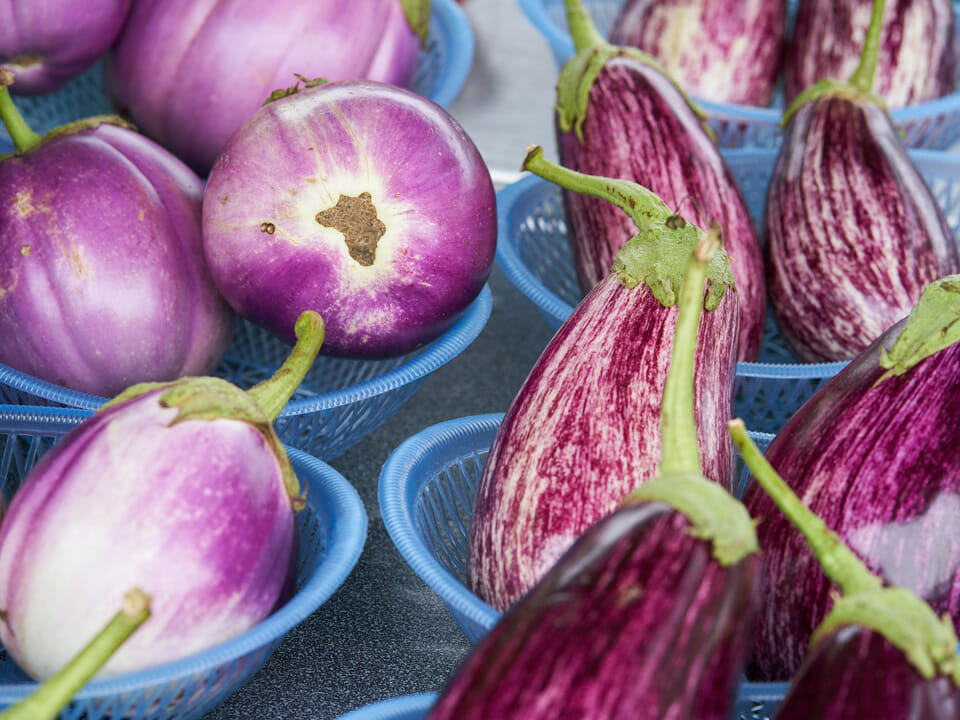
x=268, y=227
x=356, y=218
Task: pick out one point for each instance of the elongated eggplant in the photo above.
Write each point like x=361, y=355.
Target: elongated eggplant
x=620, y=116
x=918, y=48
x=853, y=232
x=876, y=453
x=648, y=615
x=728, y=52
x=583, y=430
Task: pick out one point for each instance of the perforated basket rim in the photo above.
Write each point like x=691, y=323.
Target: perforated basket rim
x=457, y=36
x=389, y=708
x=324, y=486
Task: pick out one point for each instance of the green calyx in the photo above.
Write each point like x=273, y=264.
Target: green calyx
x=933, y=325
x=417, y=13
x=302, y=83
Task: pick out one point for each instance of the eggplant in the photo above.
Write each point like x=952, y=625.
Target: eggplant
x=918, y=53
x=388, y=229
x=194, y=497
x=583, y=429
x=725, y=52
x=876, y=453
x=192, y=72
x=648, y=614
x=854, y=233
x=620, y=116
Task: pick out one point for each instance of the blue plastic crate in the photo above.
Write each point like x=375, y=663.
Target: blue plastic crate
x=934, y=124
x=332, y=530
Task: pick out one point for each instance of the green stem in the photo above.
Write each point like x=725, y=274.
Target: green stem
x=862, y=77
x=272, y=394
x=582, y=28
x=23, y=137
x=840, y=564
x=54, y=694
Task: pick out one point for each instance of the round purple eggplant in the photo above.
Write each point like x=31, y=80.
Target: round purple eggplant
x=46, y=44
x=918, y=48
x=103, y=282
x=726, y=51
x=620, y=116
x=191, y=72
x=360, y=200
x=182, y=489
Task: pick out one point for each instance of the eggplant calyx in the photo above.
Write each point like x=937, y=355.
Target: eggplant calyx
x=417, y=13
x=933, y=325
x=928, y=642
x=302, y=83
x=831, y=88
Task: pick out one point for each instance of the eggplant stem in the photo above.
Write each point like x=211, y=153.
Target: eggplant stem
x=582, y=28
x=54, y=694
x=840, y=564
x=273, y=393
x=23, y=137
x=862, y=77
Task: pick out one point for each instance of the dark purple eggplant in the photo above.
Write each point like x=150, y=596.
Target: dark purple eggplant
x=917, y=59
x=854, y=233
x=876, y=453
x=620, y=116
x=583, y=430
x=727, y=51
x=648, y=615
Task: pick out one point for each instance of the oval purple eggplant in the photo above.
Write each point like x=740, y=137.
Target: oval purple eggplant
x=360, y=200
x=727, y=51
x=191, y=72
x=46, y=44
x=918, y=54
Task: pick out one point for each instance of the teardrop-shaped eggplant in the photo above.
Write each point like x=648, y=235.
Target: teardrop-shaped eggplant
x=918, y=55
x=727, y=52
x=620, y=116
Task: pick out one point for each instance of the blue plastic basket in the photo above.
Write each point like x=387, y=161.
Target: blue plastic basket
x=332, y=530
x=441, y=73
x=426, y=493
x=934, y=124
x=339, y=403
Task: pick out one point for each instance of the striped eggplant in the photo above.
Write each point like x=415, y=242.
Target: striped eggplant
x=727, y=51
x=648, y=614
x=583, y=430
x=881, y=652
x=620, y=116
x=918, y=52
x=876, y=453
x=854, y=233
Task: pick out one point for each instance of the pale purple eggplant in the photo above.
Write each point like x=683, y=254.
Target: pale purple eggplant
x=46, y=44
x=182, y=489
x=584, y=429
x=620, y=116
x=191, y=72
x=725, y=51
x=360, y=200
x=876, y=453
x=918, y=54
x=103, y=282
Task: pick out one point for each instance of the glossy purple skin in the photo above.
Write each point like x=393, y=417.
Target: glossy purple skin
x=881, y=466
x=637, y=620
x=431, y=191
x=855, y=673
x=103, y=282
x=584, y=430
x=195, y=513
x=191, y=72
x=918, y=48
x=727, y=51
x=853, y=232
x=639, y=127
x=46, y=44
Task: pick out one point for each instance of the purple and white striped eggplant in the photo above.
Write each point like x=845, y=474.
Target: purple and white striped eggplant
x=876, y=453
x=584, y=429
x=854, y=233
x=191, y=72
x=103, y=282
x=620, y=116
x=727, y=51
x=182, y=489
x=46, y=44
x=918, y=48
x=362, y=201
